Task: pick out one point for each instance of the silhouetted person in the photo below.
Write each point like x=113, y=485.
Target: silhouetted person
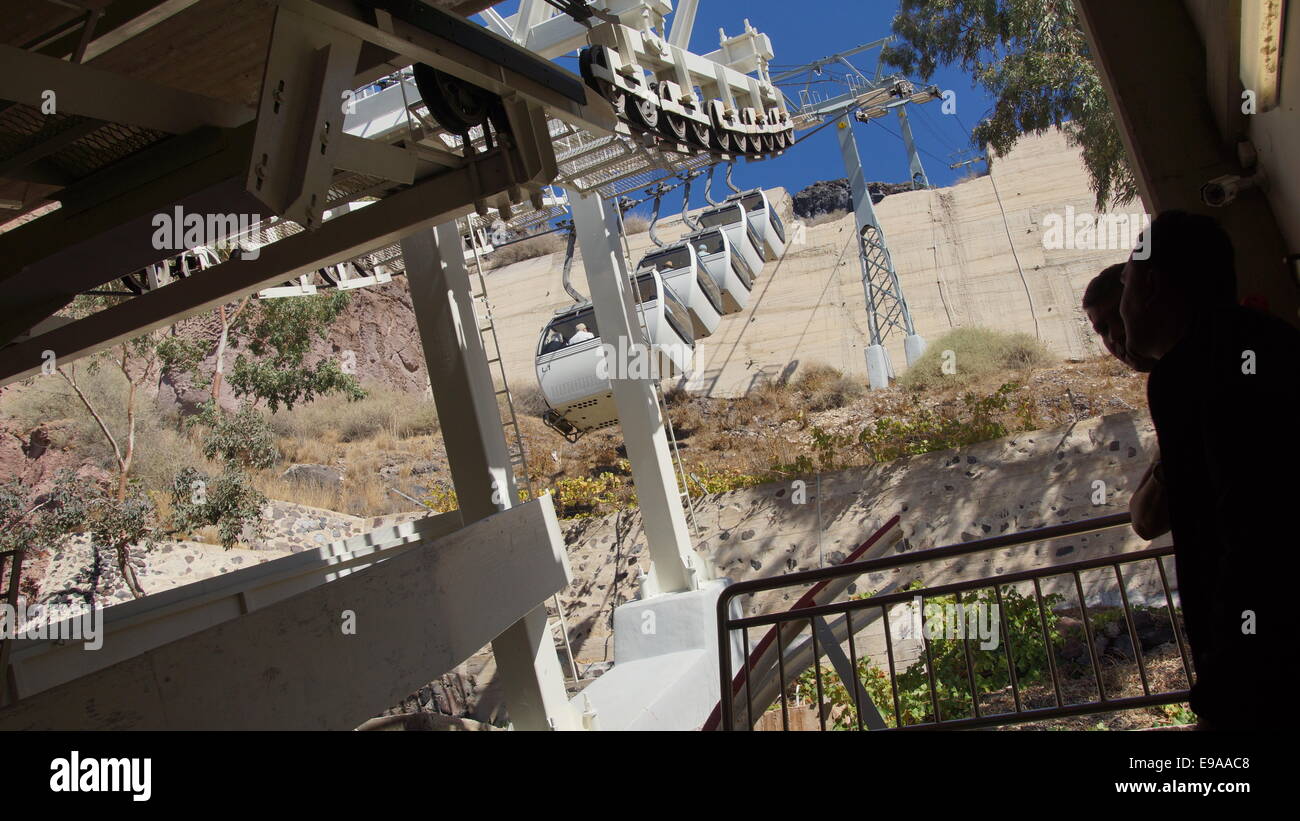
x=1223, y=397
x=1147, y=505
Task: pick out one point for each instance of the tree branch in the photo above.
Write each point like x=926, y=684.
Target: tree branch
x=117, y=451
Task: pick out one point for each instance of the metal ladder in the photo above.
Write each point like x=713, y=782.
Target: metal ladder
x=683, y=483
x=518, y=457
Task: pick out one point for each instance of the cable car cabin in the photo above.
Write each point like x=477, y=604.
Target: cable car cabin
x=764, y=220
x=728, y=270
x=690, y=282
x=573, y=373
x=731, y=218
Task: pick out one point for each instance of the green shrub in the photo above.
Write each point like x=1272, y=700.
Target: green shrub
x=1019, y=618
x=229, y=502
x=976, y=353
x=920, y=430
x=926, y=430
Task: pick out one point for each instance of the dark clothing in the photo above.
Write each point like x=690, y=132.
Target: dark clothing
x=1229, y=454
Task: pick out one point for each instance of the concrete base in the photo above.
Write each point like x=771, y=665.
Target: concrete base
x=665, y=674
x=878, y=370
x=913, y=348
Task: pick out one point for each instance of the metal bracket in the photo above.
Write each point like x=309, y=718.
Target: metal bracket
x=300, y=118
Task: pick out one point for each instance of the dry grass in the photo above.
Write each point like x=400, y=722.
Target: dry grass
x=635, y=224
x=369, y=468
x=772, y=423
x=528, y=400
x=399, y=415
x=374, y=442
x=974, y=354
x=162, y=444
x=822, y=388
x=392, y=439
x=1121, y=679
x=525, y=249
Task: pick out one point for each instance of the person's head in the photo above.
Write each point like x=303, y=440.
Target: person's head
x=582, y=326
x=1101, y=304
x=1189, y=271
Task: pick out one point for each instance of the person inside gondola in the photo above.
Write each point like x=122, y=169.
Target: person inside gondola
x=553, y=343
x=582, y=335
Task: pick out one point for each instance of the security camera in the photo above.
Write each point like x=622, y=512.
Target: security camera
x=1220, y=191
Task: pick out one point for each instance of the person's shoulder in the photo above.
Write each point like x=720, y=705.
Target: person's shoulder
x=1240, y=323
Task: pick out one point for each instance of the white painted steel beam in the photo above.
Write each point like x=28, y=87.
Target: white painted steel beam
x=263, y=648
x=675, y=567
x=683, y=23
x=309, y=69
x=437, y=199
x=481, y=472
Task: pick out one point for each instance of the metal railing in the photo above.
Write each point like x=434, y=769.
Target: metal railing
x=936, y=693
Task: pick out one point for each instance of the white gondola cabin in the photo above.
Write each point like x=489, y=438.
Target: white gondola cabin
x=687, y=278
x=573, y=370
x=729, y=270
x=732, y=218
x=767, y=224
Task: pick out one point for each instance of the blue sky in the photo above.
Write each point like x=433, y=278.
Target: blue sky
x=809, y=30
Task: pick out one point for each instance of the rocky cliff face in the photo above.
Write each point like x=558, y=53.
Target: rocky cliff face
x=827, y=196
x=377, y=333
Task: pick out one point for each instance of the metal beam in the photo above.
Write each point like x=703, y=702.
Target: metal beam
x=916, y=171
x=105, y=227
x=103, y=95
x=470, y=418
x=309, y=68
x=674, y=567
x=495, y=22
x=831, y=59
x=475, y=55
x=376, y=159
x=416, y=616
x=683, y=23
x=880, y=284
x=432, y=201
x=531, y=13
x=54, y=144
x=121, y=20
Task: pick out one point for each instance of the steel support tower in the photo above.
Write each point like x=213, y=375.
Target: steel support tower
x=867, y=99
